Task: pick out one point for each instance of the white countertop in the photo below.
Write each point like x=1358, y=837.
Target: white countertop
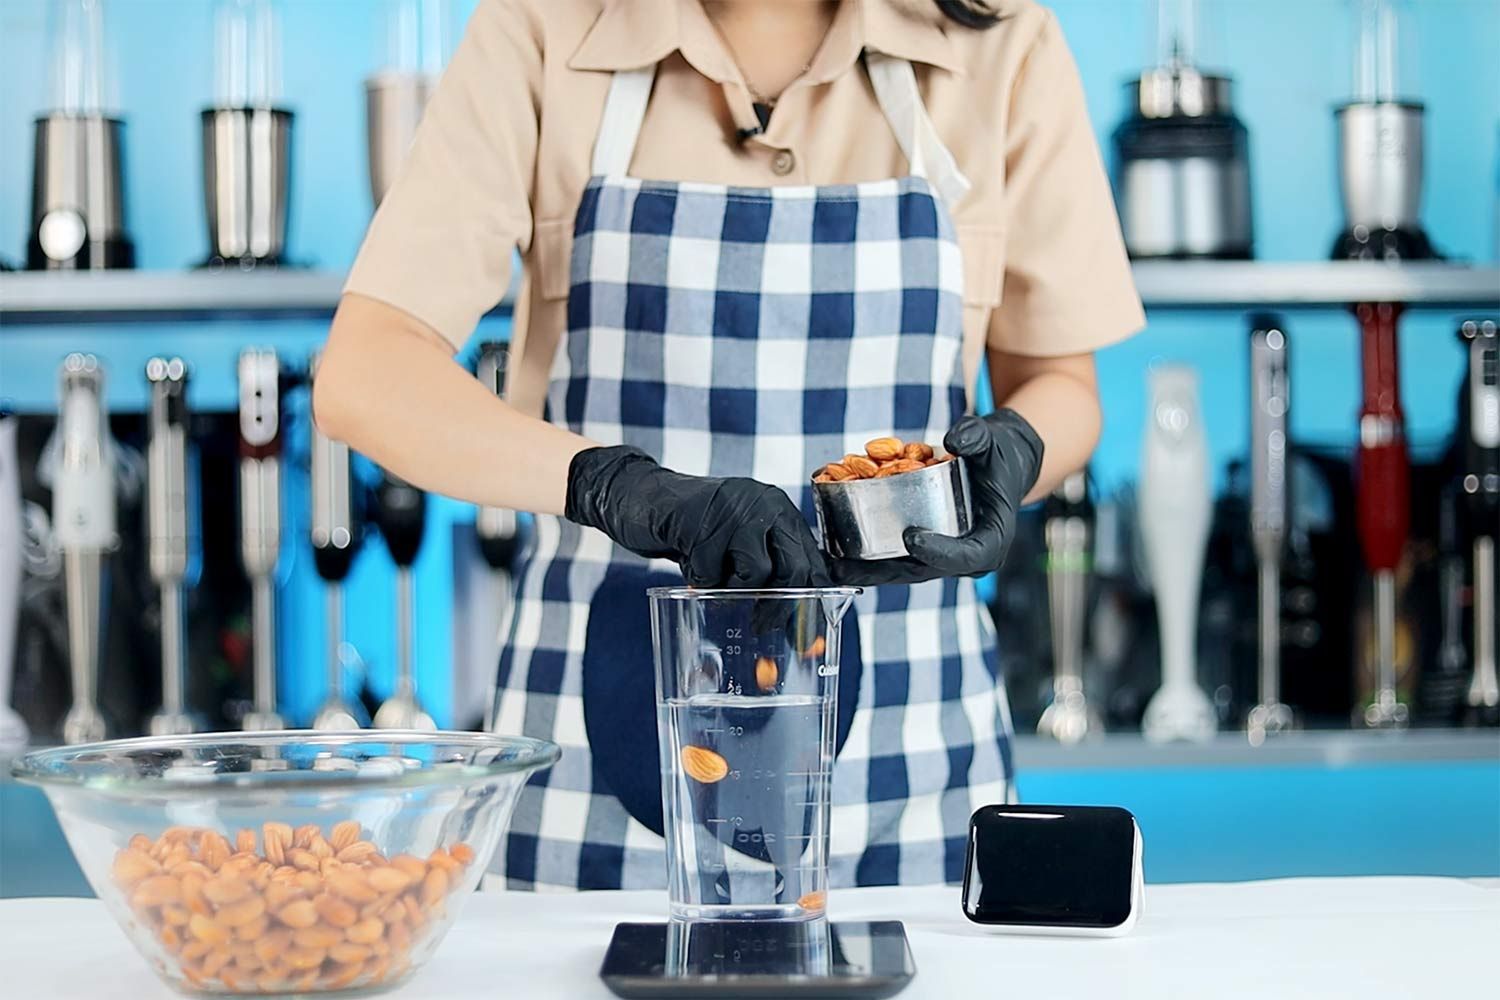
x=1364, y=938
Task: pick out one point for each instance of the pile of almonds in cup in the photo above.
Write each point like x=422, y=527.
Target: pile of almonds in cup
x=306, y=912
x=884, y=456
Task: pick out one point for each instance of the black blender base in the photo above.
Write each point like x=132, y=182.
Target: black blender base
x=95, y=255
x=1363, y=243
x=247, y=264
x=759, y=960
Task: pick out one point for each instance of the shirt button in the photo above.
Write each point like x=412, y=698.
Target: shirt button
x=783, y=162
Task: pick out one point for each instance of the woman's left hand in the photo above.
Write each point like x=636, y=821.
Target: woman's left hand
x=1004, y=455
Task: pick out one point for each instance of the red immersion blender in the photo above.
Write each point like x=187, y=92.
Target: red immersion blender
x=1380, y=172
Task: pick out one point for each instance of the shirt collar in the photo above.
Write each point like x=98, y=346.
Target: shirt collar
x=630, y=34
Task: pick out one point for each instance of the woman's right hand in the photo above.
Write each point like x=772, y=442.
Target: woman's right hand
x=722, y=532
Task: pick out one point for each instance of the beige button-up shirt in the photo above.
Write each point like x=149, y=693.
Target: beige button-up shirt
x=504, y=149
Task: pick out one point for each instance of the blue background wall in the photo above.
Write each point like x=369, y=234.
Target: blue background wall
x=1289, y=59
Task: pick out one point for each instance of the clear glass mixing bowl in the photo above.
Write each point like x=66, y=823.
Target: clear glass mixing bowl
x=290, y=862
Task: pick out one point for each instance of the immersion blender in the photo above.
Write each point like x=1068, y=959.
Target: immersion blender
x=400, y=509
x=1481, y=487
x=1068, y=718
x=1175, y=508
x=1270, y=401
x=83, y=518
x=260, y=519
x=333, y=555
x=169, y=531
x=13, y=730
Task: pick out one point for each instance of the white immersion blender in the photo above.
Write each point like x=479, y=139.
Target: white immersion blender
x=14, y=734
x=171, y=540
x=83, y=520
x=333, y=545
x=260, y=520
x=1270, y=506
x=418, y=34
x=400, y=511
x=1175, y=508
x=77, y=183
x=1068, y=718
x=1481, y=488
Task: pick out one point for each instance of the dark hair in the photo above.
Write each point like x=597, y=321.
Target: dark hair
x=970, y=13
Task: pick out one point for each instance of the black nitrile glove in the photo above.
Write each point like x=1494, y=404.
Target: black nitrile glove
x=722, y=532
x=1004, y=455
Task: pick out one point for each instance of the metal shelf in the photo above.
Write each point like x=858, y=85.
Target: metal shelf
x=133, y=296
x=126, y=296
x=1249, y=284
x=1322, y=748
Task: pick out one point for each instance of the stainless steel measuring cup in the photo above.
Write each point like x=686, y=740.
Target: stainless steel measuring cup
x=746, y=688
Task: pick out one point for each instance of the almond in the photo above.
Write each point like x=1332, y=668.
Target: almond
x=205, y=929
x=213, y=850
x=271, y=944
x=304, y=958
x=244, y=842
x=304, y=834
x=337, y=912
x=766, y=673
x=320, y=848
x=242, y=912
x=837, y=472
x=224, y=889
x=347, y=952
x=298, y=914
x=156, y=891
x=350, y=884
x=254, y=930
x=132, y=866
x=213, y=962
x=703, y=765
x=275, y=838
x=343, y=834
x=360, y=850
x=278, y=894
x=462, y=853
x=141, y=842
x=391, y=878
x=174, y=915
x=343, y=974
x=813, y=900
x=884, y=449
x=194, y=950
x=302, y=858
x=192, y=893
x=440, y=858
x=860, y=465
x=319, y=936
x=414, y=867
x=434, y=887
x=816, y=649
x=366, y=931
x=917, y=451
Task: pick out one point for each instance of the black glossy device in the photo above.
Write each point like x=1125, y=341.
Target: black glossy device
x=1072, y=870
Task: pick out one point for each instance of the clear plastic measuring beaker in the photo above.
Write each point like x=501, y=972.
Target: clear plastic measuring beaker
x=746, y=682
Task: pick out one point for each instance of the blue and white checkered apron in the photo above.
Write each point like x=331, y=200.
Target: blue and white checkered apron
x=759, y=332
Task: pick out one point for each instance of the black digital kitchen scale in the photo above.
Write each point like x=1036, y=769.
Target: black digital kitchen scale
x=719, y=960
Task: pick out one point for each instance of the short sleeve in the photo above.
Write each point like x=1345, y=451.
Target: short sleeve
x=1067, y=287
x=440, y=246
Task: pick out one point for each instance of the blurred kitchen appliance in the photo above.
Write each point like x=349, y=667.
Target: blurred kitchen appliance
x=400, y=511
x=1270, y=482
x=1481, y=488
x=83, y=520
x=260, y=519
x=1380, y=146
x=77, y=187
x=1068, y=718
x=170, y=535
x=1380, y=174
x=496, y=527
x=417, y=38
x=1175, y=507
x=246, y=140
x=333, y=543
x=1182, y=157
x=13, y=730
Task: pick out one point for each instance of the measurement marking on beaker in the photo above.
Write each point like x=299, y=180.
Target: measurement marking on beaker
x=718, y=821
x=805, y=774
x=713, y=731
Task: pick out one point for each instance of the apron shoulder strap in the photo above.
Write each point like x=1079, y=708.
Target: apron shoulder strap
x=895, y=84
x=624, y=110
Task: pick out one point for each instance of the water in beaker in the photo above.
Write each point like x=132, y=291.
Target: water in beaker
x=746, y=689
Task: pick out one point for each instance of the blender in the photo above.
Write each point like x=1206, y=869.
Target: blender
x=497, y=528
x=13, y=731
x=1182, y=157
x=1480, y=483
x=417, y=35
x=400, y=512
x=747, y=682
x=1270, y=507
x=171, y=541
x=260, y=519
x=1068, y=718
x=83, y=519
x=77, y=187
x=1175, y=508
x=246, y=140
x=333, y=543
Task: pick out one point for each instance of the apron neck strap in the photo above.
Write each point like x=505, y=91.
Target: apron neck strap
x=624, y=110
x=895, y=84
x=896, y=89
